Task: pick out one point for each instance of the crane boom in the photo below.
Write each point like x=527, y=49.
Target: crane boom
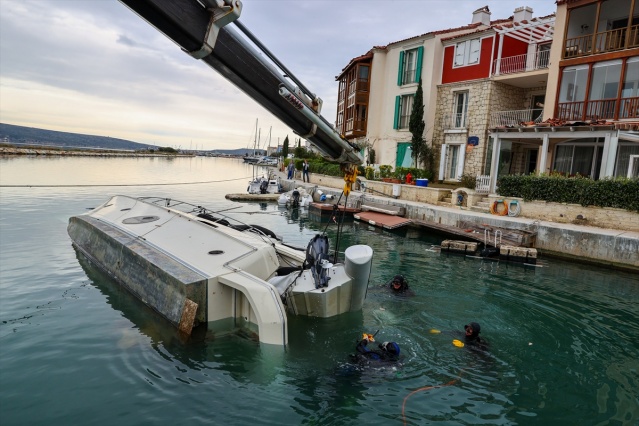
x=202, y=29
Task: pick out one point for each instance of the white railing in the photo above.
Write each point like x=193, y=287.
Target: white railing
x=514, y=118
x=521, y=63
x=482, y=184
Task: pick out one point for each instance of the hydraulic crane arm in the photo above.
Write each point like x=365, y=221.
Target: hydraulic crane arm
x=202, y=29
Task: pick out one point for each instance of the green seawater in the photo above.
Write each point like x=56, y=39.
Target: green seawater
x=75, y=348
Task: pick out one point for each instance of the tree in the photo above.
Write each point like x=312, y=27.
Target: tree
x=416, y=125
x=285, y=147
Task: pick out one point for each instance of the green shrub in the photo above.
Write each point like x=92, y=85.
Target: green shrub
x=469, y=181
x=385, y=171
x=401, y=172
x=619, y=192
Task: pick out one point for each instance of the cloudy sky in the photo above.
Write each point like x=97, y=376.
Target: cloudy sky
x=95, y=67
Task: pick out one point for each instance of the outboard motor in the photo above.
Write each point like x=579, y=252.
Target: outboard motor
x=295, y=199
x=318, y=259
x=263, y=187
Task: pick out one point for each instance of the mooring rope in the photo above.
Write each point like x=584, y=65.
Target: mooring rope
x=122, y=184
x=425, y=388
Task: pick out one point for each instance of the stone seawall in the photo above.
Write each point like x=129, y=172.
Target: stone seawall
x=560, y=233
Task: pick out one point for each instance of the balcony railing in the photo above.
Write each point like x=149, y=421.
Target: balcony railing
x=455, y=121
x=606, y=41
x=603, y=109
x=629, y=108
x=515, y=118
x=353, y=125
x=521, y=63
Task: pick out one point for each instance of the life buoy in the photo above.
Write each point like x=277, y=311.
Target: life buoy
x=495, y=204
x=514, y=208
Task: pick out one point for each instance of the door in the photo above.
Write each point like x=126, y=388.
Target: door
x=537, y=107
x=452, y=162
x=531, y=161
x=404, y=155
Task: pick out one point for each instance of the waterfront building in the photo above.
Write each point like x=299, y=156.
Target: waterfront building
x=590, y=120
x=376, y=91
x=509, y=96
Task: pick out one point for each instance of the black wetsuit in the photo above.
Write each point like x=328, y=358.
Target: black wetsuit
x=365, y=354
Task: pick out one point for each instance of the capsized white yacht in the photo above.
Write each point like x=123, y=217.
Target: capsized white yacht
x=196, y=268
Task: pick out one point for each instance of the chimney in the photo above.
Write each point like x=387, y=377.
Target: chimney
x=481, y=15
x=523, y=13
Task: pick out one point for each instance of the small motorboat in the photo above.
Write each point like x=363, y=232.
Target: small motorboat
x=263, y=185
x=198, y=268
x=296, y=198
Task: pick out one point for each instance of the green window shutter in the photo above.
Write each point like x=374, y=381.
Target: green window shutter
x=398, y=104
x=400, y=68
x=420, y=55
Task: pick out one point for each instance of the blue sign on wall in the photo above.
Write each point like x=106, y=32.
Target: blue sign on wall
x=473, y=140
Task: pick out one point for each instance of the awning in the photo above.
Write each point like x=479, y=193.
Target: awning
x=382, y=220
x=536, y=30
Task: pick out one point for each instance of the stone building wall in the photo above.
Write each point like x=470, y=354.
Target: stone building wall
x=484, y=98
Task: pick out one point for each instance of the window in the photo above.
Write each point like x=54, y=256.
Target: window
x=467, y=52
x=583, y=158
x=603, y=89
x=623, y=158
x=403, y=109
x=572, y=93
x=573, y=84
x=460, y=110
x=630, y=90
x=410, y=66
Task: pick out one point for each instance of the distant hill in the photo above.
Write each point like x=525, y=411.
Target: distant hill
x=32, y=136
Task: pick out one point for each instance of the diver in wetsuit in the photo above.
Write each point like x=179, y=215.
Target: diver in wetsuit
x=387, y=352
x=472, y=338
x=399, y=285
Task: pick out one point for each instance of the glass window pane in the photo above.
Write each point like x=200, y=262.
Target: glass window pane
x=582, y=162
x=363, y=73
x=453, y=154
x=631, y=80
x=473, y=57
x=623, y=158
x=563, y=159
x=605, y=81
x=459, y=53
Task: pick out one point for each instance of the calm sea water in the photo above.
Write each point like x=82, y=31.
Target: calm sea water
x=77, y=349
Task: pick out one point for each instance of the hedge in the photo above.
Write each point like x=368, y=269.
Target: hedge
x=622, y=193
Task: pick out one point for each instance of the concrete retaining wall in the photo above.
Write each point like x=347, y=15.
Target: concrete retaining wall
x=615, y=242
x=576, y=214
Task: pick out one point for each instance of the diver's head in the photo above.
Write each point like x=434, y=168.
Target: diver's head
x=472, y=330
x=399, y=283
x=391, y=348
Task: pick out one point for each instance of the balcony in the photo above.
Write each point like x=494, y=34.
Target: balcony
x=515, y=118
x=521, y=63
x=602, y=109
x=603, y=42
x=355, y=127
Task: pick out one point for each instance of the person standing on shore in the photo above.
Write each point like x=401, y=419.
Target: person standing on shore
x=305, y=177
x=291, y=169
